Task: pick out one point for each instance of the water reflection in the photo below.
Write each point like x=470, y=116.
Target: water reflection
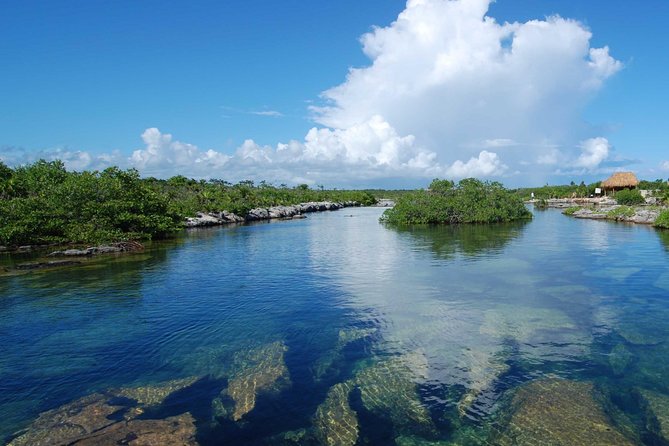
x=471, y=240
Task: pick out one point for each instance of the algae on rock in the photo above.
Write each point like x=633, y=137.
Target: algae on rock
x=335, y=423
x=558, y=412
x=260, y=370
x=91, y=420
x=153, y=395
x=657, y=417
x=331, y=357
x=388, y=389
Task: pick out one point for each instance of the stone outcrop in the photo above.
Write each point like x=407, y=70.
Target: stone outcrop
x=260, y=370
x=558, y=412
x=639, y=215
x=105, y=249
x=89, y=421
x=110, y=418
x=203, y=219
x=335, y=423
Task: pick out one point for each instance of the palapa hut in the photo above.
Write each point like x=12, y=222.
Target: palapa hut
x=619, y=181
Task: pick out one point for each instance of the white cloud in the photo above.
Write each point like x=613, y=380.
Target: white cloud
x=593, y=152
x=485, y=165
x=664, y=165
x=164, y=157
x=448, y=74
x=270, y=113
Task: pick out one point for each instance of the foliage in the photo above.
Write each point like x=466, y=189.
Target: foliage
x=571, y=210
x=43, y=203
x=561, y=191
x=541, y=203
x=47, y=204
x=662, y=220
x=620, y=212
x=629, y=197
x=470, y=201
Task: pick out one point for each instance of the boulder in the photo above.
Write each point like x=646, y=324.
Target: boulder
x=335, y=423
x=558, y=412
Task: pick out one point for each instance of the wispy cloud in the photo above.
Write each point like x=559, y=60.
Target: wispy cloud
x=270, y=113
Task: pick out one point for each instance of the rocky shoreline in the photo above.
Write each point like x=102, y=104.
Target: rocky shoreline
x=639, y=215
x=204, y=219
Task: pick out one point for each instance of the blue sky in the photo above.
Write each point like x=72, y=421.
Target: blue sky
x=233, y=89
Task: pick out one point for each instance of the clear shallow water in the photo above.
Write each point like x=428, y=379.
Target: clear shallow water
x=444, y=323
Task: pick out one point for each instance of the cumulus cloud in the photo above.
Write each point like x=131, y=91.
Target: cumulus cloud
x=664, y=165
x=594, y=152
x=448, y=92
x=163, y=156
x=451, y=76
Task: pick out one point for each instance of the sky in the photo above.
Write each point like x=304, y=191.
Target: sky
x=380, y=93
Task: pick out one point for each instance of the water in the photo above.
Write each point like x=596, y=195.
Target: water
x=444, y=324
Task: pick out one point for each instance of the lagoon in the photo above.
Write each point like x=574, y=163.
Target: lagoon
x=337, y=329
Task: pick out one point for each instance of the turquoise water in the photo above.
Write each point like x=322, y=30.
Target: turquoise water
x=430, y=331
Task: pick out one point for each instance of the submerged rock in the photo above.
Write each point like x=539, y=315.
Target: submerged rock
x=483, y=369
x=388, y=389
x=103, y=419
x=173, y=431
x=257, y=371
x=558, y=412
x=70, y=422
x=335, y=423
x=657, y=413
x=521, y=324
x=153, y=395
x=619, y=359
x=326, y=362
x=42, y=265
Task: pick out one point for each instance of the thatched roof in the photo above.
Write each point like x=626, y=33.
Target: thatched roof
x=621, y=179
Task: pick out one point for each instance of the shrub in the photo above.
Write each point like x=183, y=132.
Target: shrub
x=629, y=197
x=571, y=210
x=620, y=212
x=662, y=220
x=470, y=201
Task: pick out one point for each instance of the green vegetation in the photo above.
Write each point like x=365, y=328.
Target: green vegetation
x=43, y=203
x=620, y=212
x=629, y=197
x=571, y=210
x=662, y=220
x=563, y=191
x=469, y=201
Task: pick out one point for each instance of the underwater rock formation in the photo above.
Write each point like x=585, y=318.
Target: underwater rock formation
x=94, y=420
x=326, y=362
x=521, y=324
x=619, y=359
x=483, y=369
x=558, y=412
x=153, y=395
x=335, y=423
x=257, y=371
x=388, y=389
x=657, y=416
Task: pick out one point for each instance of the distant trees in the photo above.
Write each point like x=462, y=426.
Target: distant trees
x=43, y=203
x=469, y=201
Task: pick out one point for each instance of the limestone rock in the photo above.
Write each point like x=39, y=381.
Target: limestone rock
x=69, y=423
x=335, y=423
x=558, y=412
x=657, y=418
x=153, y=395
x=259, y=370
x=173, y=431
x=388, y=389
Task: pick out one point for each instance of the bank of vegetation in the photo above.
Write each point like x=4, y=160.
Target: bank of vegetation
x=43, y=203
x=582, y=190
x=446, y=202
